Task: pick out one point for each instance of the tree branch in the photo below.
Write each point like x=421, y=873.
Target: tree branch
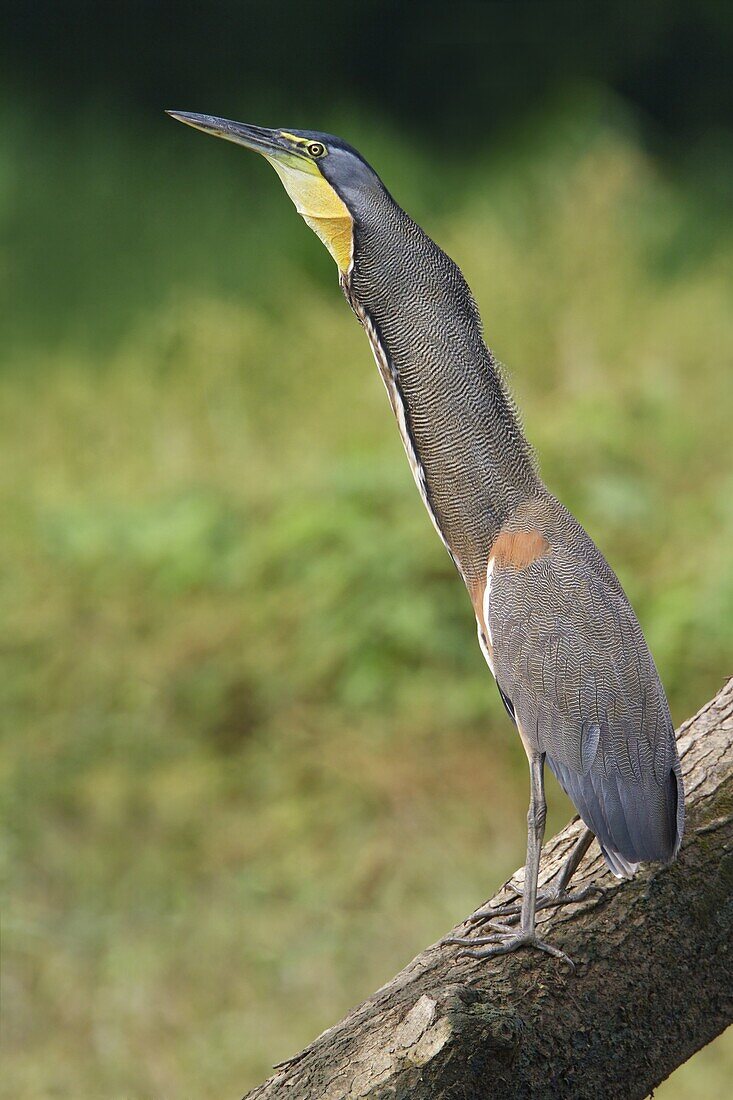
x=652, y=985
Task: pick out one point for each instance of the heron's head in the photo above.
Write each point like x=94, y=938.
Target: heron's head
x=329, y=182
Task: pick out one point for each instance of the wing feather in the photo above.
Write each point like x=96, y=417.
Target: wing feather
x=570, y=656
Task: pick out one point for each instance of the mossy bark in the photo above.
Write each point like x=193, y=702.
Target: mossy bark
x=653, y=980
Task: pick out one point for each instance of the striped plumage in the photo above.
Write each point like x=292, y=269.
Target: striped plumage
x=477, y=463
x=554, y=624
x=566, y=648
x=569, y=654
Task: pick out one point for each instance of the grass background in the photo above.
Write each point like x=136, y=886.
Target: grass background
x=252, y=760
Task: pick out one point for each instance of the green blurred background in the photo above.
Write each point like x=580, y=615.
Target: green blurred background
x=252, y=760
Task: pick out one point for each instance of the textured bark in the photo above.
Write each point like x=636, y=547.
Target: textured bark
x=653, y=981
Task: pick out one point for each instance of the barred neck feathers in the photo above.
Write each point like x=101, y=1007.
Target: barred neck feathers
x=468, y=454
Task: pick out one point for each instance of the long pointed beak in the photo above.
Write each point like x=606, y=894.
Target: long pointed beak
x=267, y=142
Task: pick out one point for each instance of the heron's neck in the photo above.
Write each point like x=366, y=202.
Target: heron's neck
x=469, y=457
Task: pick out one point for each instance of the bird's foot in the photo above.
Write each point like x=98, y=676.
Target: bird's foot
x=551, y=896
x=503, y=942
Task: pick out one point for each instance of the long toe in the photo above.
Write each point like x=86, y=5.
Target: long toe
x=556, y=953
x=489, y=915
x=488, y=947
x=488, y=912
x=500, y=930
x=548, y=898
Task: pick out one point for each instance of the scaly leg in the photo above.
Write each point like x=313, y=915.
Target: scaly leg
x=554, y=893
x=505, y=939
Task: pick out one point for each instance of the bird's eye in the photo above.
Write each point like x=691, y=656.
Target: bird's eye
x=316, y=149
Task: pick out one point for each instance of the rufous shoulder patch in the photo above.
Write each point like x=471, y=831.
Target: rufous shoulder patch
x=518, y=549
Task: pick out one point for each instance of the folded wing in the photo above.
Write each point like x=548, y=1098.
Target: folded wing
x=569, y=654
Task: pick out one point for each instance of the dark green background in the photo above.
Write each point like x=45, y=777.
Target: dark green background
x=460, y=70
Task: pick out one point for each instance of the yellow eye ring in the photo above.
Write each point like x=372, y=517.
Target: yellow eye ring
x=316, y=149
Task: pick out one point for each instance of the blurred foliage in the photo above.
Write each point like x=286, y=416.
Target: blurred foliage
x=252, y=757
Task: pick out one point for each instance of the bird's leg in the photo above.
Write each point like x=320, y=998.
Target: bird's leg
x=505, y=939
x=571, y=864
x=554, y=893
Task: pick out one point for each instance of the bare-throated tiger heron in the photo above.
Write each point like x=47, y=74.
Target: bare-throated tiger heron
x=554, y=624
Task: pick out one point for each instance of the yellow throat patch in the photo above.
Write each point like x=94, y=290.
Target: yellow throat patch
x=320, y=206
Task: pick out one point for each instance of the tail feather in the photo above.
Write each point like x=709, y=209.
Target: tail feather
x=635, y=821
x=617, y=865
